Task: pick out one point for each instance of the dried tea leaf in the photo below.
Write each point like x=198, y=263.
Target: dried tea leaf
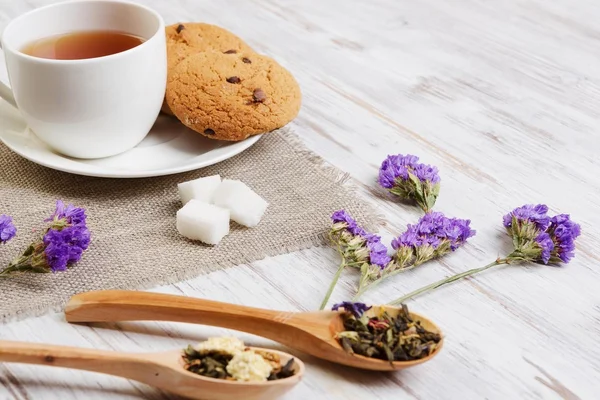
x=347, y=345
x=387, y=338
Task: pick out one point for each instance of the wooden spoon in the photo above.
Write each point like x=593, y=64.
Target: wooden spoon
x=162, y=370
x=310, y=332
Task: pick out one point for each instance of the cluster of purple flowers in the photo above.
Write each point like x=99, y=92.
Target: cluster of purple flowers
x=434, y=235
x=408, y=179
x=67, y=238
x=539, y=237
x=360, y=245
x=62, y=244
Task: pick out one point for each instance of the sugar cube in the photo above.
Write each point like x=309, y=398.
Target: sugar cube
x=201, y=189
x=202, y=221
x=245, y=206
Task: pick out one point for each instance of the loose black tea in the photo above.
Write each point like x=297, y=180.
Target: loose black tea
x=222, y=358
x=385, y=337
x=211, y=364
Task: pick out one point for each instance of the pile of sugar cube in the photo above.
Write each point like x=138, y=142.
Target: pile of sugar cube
x=209, y=203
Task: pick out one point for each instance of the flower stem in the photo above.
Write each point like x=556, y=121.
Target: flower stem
x=363, y=288
x=453, y=278
x=13, y=268
x=336, y=277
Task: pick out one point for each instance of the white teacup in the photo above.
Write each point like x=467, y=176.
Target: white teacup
x=95, y=107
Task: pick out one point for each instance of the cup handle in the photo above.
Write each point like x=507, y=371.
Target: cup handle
x=5, y=91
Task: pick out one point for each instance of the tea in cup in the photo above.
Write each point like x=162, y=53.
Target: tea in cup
x=88, y=76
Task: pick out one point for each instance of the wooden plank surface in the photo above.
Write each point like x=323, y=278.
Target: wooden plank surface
x=504, y=97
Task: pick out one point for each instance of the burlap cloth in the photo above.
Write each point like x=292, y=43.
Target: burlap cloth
x=134, y=241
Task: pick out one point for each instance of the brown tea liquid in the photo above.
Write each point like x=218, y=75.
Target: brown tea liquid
x=81, y=45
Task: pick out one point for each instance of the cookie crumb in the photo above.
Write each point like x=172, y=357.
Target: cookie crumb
x=259, y=96
x=180, y=27
x=233, y=79
x=246, y=60
x=230, y=51
x=209, y=132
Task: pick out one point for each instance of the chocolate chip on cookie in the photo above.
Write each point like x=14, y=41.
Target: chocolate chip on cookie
x=230, y=52
x=199, y=97
x=179, y=28
x=246, y=60
x=234, y=79
x=259, y=96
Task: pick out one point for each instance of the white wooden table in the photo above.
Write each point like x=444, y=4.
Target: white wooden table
x=504, y=97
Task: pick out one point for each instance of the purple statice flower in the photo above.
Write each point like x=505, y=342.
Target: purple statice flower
x=377, y=252
x=408, y=179
x=344, y=219
x=427, y=173
x=563, y=232
x=56, y=256
x=7, y=228
x=531, y=219
x=409, y=238
x=70, y=214
x=433, y=229
x=65, y=246
x=357, y=309
x=434, y=235
x=394, y=167
x=545, y=244
x=539, y=237
x=358, y=248
x=61, y=246
x=360, y=245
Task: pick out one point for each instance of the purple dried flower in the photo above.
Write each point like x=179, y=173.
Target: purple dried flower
x=435, y=229
x=357, y=309
x=529, y=213
x=377, y=252
x=409, y=238
x=434, y=235
x=563, y=232
x=410, y=180
x=62, y=245
x=538, y=237
x=73, y=240
x=546, y=245
x=69, y=213
x=7, y=228
x=357, y=247
x=57, y=256
x=342, y=217
x=394, y=167
x=427, y=173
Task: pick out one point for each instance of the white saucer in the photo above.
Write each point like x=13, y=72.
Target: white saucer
x=169, y=148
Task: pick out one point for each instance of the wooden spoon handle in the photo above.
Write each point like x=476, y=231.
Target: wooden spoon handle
x=116, y=305
x=68, y=357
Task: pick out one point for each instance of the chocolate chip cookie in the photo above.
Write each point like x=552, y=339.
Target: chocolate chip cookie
x=188, y=38
x=231, y=96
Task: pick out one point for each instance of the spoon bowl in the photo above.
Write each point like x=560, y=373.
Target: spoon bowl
x=163, y=370
x=310, y=332
x=358, y=361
